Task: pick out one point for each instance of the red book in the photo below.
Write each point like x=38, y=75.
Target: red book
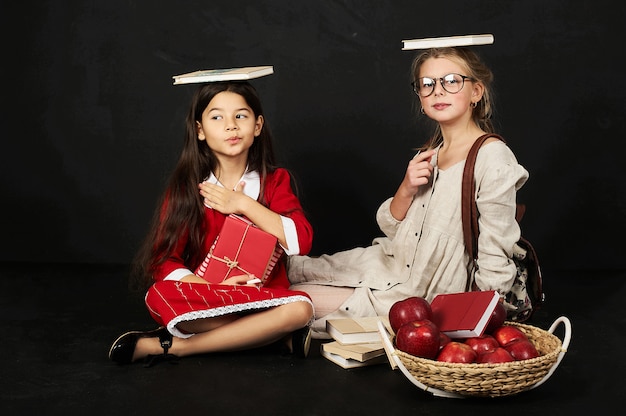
x=465, y=314
x=240, y=248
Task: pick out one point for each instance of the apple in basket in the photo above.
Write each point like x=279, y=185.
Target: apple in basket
x=457, y=352
x=507, y=334
x=407, y=310
x=443, y=340
x=419, y=338
x=497, y=319
x=522, y=349
x=482, y=343
x=497, y=355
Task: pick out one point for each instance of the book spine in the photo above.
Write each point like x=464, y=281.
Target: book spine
x=278, y=252
x=201, y=270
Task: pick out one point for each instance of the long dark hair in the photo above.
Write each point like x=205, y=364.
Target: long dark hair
x=476, y=69
x=180, y=213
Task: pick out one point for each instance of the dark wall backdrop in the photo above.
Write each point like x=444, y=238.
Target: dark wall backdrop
x=92, y=125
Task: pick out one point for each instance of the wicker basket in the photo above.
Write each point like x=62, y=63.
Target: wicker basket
x=485, y=380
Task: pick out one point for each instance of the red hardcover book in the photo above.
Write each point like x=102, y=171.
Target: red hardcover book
x=240, y=248
x=464, y=315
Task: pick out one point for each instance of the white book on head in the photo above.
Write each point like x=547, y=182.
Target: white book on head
x=227, y=74
x=447, y=41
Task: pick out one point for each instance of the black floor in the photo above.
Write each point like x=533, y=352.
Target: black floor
x=61, y=319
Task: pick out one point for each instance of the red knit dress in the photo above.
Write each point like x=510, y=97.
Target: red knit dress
x=171, y=302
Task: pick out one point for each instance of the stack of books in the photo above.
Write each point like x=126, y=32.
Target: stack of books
x=356, y=342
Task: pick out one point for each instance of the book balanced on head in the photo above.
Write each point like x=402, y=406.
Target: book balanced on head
x=227, y=74
x=447, y=41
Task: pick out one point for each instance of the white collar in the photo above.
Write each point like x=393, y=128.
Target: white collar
x=252, y=187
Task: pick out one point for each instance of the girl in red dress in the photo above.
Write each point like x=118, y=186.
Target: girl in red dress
x=227, y=166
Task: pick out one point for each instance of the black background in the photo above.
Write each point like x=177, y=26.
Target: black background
x=92, y=125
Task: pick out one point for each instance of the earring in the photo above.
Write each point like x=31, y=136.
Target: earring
x=474, y=104
x=422, y=110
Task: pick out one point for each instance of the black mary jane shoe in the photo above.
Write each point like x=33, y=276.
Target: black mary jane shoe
x=123, y=348
x=301, y=342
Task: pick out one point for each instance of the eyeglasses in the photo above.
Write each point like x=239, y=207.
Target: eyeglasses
x=451, y=83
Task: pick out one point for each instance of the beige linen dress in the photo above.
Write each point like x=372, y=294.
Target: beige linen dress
x=424, y=254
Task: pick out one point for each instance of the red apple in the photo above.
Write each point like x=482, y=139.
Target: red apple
x=457, y=352
x=498, y=355
x=443, y=340
x=522, y=350
x=419, y=338
x=482, y=343
x=507, y=334
x=408, y=310
x=497, y=319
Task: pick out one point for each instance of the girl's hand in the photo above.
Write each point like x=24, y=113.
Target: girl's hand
x=240, y=280
x=418, y=172
x=222, y=199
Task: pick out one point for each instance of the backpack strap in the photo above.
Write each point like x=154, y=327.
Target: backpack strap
x=469, y=216
x=469, y=211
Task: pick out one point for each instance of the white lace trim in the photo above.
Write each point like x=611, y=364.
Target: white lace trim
x=228, y=309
